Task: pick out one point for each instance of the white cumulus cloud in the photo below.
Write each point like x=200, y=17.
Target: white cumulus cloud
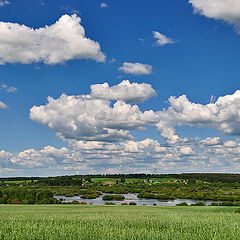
x=231, y=144
x=161, y=39
x=64, y=40
x=3, y=105
x=11, y=89
x=8, y=88
x=5, y=158
x=226, y=10
x=186, y=150
x=223, y=115
x=212, y=141
x=126, y=91
x=4, y=3
x=103, y=5
x=136, y=68
x=128, y=156
x=46, y=157
x=85, y=118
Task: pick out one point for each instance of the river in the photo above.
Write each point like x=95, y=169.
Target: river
x=132, y=197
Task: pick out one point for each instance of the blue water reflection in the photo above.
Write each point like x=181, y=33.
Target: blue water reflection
x=131, y=197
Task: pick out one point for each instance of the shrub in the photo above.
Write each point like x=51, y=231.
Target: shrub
x=43, y=201
x=75, y=202
x=132, y=203
x=16, y=202
x=124, y=203
x=118, y=197
x=154, y=204
x=122, y=179
x=109, y=203
x=147, y=195
x=182, y=204
x=107, y=197
x=113, y=197
x=226, y=203
x=198, y=204
x=84, y=203
x=214, y=204
x=69, y=195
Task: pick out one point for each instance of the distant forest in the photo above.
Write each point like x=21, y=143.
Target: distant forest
x=76, y=179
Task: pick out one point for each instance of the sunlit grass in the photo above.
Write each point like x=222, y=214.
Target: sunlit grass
x=118, y=222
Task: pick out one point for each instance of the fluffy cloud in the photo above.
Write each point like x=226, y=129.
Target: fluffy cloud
x=186, y=151
x=162, y=39
x=129, y=156
x=136, y=68
x=231, y=144
x=46, y=157
x=11, y=89
x=58, y=43
x=103, y=5
x=4, y=3
x=5, y=158
x=98, y=132
x=93, y=117
x=212, y=141
x=8, y=89
x=85, y=118
x=126, y=91
x=227, y=10
x=3, y=105
x=223, y=115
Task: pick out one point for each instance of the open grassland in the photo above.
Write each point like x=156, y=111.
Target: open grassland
x=133, y=179
x=117, y=222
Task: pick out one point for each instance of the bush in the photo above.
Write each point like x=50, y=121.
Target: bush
x=110, y=203
x=69, y=195
x=124, y=203
x=214, y=204
x=226, y=203
x=75, y=202
x=107, y=197
x=43, y=201
x=154, y=204
x=182, y=204
x=90, y=196
x=113, y=197
x=118, y=197
x=147, y=195
x=16, y=202
x=44, y=197
x=198, y=204
x=132, y=203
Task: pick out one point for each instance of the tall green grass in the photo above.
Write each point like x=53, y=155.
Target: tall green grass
x=49, y=222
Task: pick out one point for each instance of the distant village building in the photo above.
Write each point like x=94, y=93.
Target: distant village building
x=108, y=183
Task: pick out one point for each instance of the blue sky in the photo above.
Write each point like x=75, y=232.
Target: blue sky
x=166, y=49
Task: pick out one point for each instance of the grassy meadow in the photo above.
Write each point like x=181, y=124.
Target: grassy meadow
x=133, y=179
x=63, y=222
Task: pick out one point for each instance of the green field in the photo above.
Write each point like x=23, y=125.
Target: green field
x=132, y=179
x=20, y=181
x=28, y=222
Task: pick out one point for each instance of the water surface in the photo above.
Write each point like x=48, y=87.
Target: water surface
x=132, y=197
